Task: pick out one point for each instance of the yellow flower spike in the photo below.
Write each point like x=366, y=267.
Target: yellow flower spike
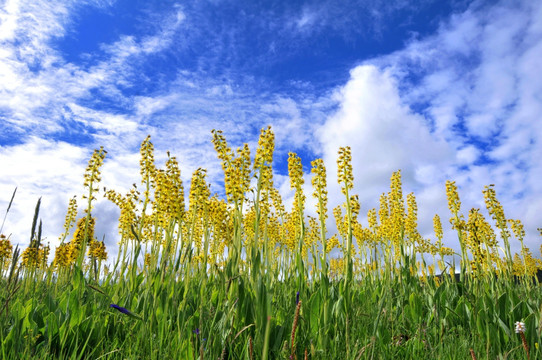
x=383, y=215
x=530, y=264
x=437, y=228
x=454, y=204
x=69, y=221
x=92, y=173
x=92, y=178
x=147, y=260
x=295, y=171
x=237, y=170
x=493, y=205
x=355, y=205
x=266, y=146
x=6, y=251
x=372, y=220
x=339, y=221
x=397, y=208
x=62, y=256
x=198, y=207
x=97, y=250
x=79, y=234
x=199, y=189
x=411, y=221
x=245, y=168
x=517, y=229
x=221, y=146
x=128, y=216
x=345, y=176
x=332, y=242
x=496, y=211
x=146, y=163
x=34, y=257
x=319, y=183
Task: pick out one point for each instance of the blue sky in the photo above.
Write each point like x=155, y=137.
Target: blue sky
x=439, y=89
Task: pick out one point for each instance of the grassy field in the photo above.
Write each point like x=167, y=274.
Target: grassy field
x=242, y=277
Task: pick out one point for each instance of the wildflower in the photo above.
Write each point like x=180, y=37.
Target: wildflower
x=70, y=218
x=6, y=250
x=85, y=228
x=520, y=327
x=125, y=311
x=319, y=184
x=344, y=169
x=121, y=309
x=97, y=250
x=295, y=171
x=62, y=256
x=196, y=331
x=35, y=255
x=297, y=298
x=294, y=327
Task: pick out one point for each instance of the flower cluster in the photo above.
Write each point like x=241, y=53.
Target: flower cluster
x=35, y=255
x=6, y=250
x=345, y=175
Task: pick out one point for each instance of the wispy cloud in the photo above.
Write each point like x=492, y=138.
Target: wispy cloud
x=37, y=82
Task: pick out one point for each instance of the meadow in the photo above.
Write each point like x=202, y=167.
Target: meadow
x=242, y=277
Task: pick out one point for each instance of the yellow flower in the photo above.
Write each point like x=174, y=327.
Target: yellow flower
x=146, y=163
x=332, y=242
x=266, y=145
x=319, y=183
x=62, y=256
x=71, y=214
x=344, y=169
x=79, y=234
x=295, y=171
x=97, y=250
x=33, y=256
x=454, y=204
x=6, y=250
x=437, y=227
x=411, y=221
x=236, y=169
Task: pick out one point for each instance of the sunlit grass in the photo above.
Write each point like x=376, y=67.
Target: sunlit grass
x=241, y=277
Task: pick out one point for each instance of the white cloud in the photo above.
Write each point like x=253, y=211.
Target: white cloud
x=384, y=134
x=40, y=168
x=306, y=19
x=468, y=155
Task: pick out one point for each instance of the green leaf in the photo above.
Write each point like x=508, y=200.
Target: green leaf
x=505, y=329
x=316, y=313
x=78, y=279
x=51, y=326
x=415, y=304
x=480, y=326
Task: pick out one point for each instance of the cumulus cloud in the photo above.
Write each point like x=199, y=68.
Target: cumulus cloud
x=37, y=168
x=383, y=133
